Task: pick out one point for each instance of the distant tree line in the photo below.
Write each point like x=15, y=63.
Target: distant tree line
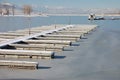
x=27, y=9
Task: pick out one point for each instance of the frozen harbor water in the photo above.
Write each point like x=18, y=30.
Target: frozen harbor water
x=95, y=58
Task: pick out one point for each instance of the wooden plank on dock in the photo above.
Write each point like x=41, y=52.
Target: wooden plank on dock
x=63, y=36
x=73, y=32
x=48, y=42
x=27, y=53
x=58, y=38
x=19, y=64
x=7, y=37
x=11, y=34
x=3, y=39
x=37, y=46
x=60, y=33
x=87, y=28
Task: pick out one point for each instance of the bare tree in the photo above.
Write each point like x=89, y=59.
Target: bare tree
x=7, y=12
x=27, y=9
x=0, y=11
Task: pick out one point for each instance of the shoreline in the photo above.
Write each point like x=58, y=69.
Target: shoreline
x=47, y=15
x=83, y=14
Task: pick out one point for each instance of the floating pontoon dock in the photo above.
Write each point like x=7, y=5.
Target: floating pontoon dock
x=40, y=42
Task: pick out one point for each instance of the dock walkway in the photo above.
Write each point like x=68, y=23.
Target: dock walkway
x=41, y=42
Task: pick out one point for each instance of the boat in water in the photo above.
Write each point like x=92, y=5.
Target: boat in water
x=93, y=17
